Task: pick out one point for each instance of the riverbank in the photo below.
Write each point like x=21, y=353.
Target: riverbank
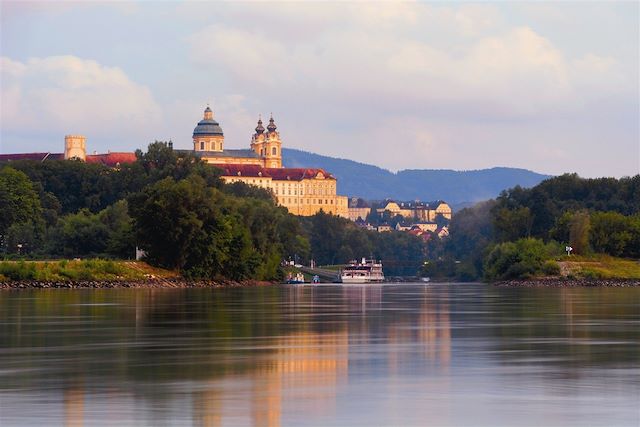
x=113, y=284
x=101, y=274
x=563, y=282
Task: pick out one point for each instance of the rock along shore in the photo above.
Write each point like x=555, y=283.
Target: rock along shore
x=561, y=282
x=147, y=283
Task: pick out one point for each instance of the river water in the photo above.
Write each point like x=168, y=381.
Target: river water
x=328, y=355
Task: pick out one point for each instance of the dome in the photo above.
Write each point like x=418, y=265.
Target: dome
x=207, y=127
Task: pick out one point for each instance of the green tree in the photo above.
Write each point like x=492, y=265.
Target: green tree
x=521, y=259
x=78, y=235
x=512, y=224
x=180, y=225
x=614, y=234
x=579, y=232
x=20, y=208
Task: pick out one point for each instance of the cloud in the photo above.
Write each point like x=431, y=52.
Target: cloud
x=67, y=94
x=376, y=59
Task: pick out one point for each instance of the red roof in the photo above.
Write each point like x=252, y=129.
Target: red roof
x=39, y=157
x=297, y=174
x=280, y=174
x=242, y=170
x=111, y=159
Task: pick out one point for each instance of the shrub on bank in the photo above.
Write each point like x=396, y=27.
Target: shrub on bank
x=64, y=270
x=522, y=259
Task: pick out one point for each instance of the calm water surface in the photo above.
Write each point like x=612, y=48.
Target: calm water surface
x=405, y=355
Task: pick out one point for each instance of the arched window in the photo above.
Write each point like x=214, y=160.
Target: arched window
x=274, y=151
x=202, y=145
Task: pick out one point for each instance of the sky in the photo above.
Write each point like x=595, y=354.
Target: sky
x=550, y=87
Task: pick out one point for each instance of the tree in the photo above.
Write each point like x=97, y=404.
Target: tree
x=78, y=235
x=20, y=208
x=521, y=259
x=180, y=225
x=615, y=234
x=512, y=224
x=579, y=232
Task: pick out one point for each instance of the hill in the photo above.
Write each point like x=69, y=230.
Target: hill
x=374, y=183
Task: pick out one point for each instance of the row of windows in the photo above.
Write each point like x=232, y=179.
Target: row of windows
x=287, y=189
x=290, y=200
x=274, y=151
x=213, y=145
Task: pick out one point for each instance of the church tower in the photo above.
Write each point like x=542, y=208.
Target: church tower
x=267, y=144
x=208, y=136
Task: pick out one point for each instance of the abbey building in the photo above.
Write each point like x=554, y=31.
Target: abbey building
x=303, y=191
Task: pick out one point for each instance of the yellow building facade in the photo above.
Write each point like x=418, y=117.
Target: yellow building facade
x=303, y=191
x=418, y=211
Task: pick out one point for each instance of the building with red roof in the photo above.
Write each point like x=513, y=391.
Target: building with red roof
x=303, y=191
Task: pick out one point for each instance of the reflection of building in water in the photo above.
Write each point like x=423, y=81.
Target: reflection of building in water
x=73, y=407
x=362, y=297
x=435, y=331
x=431, y=330
x=301, y=362
x=207, y=408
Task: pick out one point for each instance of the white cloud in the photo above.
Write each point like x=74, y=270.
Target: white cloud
x=67, y=94
x=375, y=58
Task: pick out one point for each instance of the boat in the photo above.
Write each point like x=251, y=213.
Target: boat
x=295, y=279
x=365, y=271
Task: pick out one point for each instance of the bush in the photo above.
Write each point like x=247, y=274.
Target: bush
x=521, y=259
x=551, y=268
x=18, y=270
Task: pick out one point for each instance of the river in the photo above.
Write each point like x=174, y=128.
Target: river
x=328, y=355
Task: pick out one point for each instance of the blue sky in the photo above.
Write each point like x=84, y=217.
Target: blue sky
x=551, y=87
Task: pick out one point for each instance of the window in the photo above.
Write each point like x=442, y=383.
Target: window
x=202, y=145
x=274, y=151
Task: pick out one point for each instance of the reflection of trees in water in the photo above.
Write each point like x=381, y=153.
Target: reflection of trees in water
x=570, y=328
x=283, y=342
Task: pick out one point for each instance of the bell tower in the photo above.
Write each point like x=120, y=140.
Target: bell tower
x=267, y=144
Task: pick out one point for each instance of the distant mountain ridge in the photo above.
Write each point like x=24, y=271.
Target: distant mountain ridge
x=374, y=183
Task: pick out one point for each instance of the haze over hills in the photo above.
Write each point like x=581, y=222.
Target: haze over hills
x=374, y=183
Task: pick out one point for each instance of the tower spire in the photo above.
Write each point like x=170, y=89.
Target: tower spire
x=259, y=128
x=272, y=125
x=208, y=113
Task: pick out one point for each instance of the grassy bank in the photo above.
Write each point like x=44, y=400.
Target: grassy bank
x=599, y=267
x=91, y=269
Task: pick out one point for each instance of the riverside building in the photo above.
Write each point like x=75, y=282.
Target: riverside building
x=303, y=191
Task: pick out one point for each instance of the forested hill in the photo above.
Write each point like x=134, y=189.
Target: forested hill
x=374, y=183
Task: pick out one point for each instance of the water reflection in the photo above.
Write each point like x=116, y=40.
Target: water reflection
x=321, y=355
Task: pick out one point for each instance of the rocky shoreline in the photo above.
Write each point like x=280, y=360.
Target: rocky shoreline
x=147, y=283
x=563, y=282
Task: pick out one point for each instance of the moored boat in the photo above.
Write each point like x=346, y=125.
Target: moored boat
x=295, y=279
x=366, y=271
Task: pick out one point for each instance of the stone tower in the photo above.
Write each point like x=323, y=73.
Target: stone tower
x=208, y=136
x=75, y=147
x=268, y=144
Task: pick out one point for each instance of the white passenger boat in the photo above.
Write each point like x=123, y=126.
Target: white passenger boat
x=366, y=271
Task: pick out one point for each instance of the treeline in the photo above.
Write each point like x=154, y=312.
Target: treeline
x=517, y=234
x=172, y=206
x=178, y=210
